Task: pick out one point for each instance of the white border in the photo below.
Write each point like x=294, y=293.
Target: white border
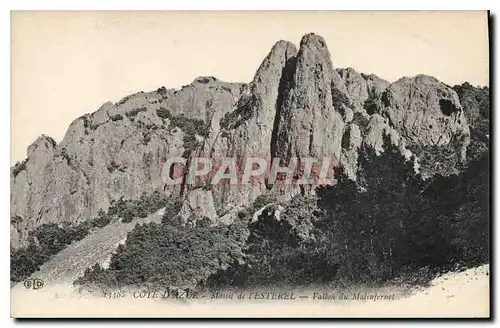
x=183, y=5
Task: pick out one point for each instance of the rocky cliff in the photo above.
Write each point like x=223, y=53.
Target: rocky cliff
x=297, y=105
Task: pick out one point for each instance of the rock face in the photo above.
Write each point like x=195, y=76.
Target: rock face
x=309, y=125
x=114, y=152
x=425, y=111
x=297, y=105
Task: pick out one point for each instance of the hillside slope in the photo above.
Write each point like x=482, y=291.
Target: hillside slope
x=71, y=263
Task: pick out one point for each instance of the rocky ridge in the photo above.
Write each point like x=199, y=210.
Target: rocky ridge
x=297, y=105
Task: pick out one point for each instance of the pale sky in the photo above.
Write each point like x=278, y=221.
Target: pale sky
x=66, y=64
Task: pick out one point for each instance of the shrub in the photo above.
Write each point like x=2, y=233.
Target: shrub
x=117, y=117
x=372, y=105
x=52, y=238
x=52, y=141
x=361, y=121
x=392, y=227
x=437, y=160
x=164, y=113
x=162, y=92
x=134, y=112
x=346, y=139
x=242, y=113
x=190, y=125
x=339, y=98
x=204, y=80
x=260, y=202
x=16, y=220
x=166, y=255
x=191, y=128
x=128, y=216
x=101, y=220
x=123, y=100
x=65, y=155
x=172, y=208
x=242, y=214
x=19, y=167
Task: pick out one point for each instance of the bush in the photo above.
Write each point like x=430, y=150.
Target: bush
x=117, y=117
x=438, y=160
x=345, y=144
x=52, y=238
x=190, y=125
x=101, y=220
x=260, y=202
x=361, y=121
x=19, y=167
x=388, y=226
x=162, y=92
x=242, y=113
x=191, y=128
x=140, y=208
x=172, y=208
x=166, y=255
x=64, y=155
x=134, y=112
x=164, y=113
x=372, y=104
x=242, y=214
x=339, y=98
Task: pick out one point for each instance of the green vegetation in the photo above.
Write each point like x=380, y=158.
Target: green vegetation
x=225, y=134
x=116, y=117
x=205, y=79
x=479, y=143
x=260, y=202
x=388, y=226
x=49, y=239
x=133, y=113
x=52, y=141
x=346, y=139
x=64, y=154
x=372, y=104
x=142, y=207
x=19, y=167
x=123, y=100
x=340, y=99
x=162, y=92
x=168, y=254
x=242, y=113
x=361, y=121
x=163, y=113
x=476, y=104
x=441, y=160
x=16, y=220
x=172, y=208
x=190, y=126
